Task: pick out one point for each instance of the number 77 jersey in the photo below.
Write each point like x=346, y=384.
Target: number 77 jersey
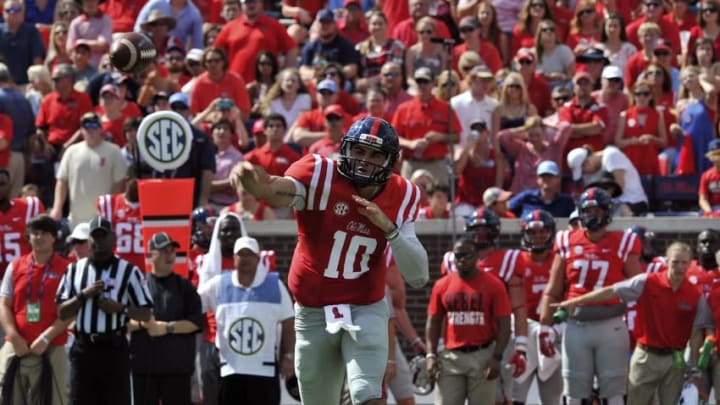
x=339, y=257
x=591, y=265
x=127, y=223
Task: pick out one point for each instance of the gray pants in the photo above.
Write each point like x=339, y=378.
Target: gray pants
x=209, y=373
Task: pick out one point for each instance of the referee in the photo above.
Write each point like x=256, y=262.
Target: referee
x=102, y=292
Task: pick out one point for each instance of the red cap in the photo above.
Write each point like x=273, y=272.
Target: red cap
x=661, y=45
x=258, y=127
x=582, y=75
x=524, y=54
x=81, y=42
x=334, y=109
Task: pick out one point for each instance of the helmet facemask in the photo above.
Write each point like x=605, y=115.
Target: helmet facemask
x=361, y=171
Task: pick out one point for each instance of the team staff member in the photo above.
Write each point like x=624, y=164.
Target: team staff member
x=101, y=292
x=538, y=233
x=28, y=315
x=248, y=304
x=422, y=125
x=596, y=338
x=163, y=348
x=475, y=310
x=670, y=311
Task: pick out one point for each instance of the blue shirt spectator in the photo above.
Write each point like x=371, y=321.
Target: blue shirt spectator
x=15, y=105
x=547, y=196
x=34, y=15
x=331, y=47
x=189, y=21
x=20, y=42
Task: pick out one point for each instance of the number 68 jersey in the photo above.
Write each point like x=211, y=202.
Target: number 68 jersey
x=339, y=257
x=127, y=223
x=591, y=265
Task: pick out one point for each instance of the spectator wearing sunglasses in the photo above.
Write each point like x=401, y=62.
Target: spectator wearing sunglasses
x=652, y=12
x=392, y=82
x=331, y=47
x=20, y=42
x=537, y=87
x=193, y=62
x=612, y=97
x=329, y=146
x=470, y=33
x=708, y=24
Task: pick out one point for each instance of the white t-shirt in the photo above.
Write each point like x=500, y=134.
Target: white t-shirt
x=470, y=110
x=633, y=192
x=303, y=102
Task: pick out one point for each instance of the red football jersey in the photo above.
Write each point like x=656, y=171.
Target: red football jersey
x=591, y=266
x=704, y=280
x=339, y=258
x=536, y=277
x=470, y=307
x=126, y=220
x=13, y=242
x=500, y=262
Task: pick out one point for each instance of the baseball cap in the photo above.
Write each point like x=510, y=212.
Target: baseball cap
x=582, y=75
x=109, y=88
x=99, y=223
x=334, y=109
x=575, y=159
x=713, y=152
x=592, y=54
x=611, y=72
x=62, y=70
x=327, y=84
x=482, y=72
x=181, y=98
x=548, y=167
x=469, y=22
x=175, y=43
x=161, y=240
x=246, y=242
x=495, y=194
x=194, y=55
x=81, y=42
x=258, y=127
x=81, y=232
x=325, y=15
x=524, y=54
x=90, y=120
x=423, y=73
x=662, y=45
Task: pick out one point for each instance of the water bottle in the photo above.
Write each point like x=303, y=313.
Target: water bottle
x=678, y=359
x=706, y=353
x=560, y=316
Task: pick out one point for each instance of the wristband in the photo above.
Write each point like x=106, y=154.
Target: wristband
x=393, y=234
x=521, y=340
x=497, y=356
x=431, y=356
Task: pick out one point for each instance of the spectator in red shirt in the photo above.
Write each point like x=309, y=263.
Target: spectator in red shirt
x=648, y=33
x=329, y=146
x=709, y=193
x=310, y=126
x=537, y=88
x=681, y=16
x=218, y=82
x=6, y=135
x=60, y=111
x=112, y=118
x=470, y=33
x=303, y=12
x=523, y=33
x=391, y=80
x=708, y=25
x=612, y=98
x=396, y=11
x=652, y=12
x=474, y=307
x=438, y=207
x=586, y=116
x=585, y=28
x=123, y=13
x=353, y=26
x=175, y=64
x=423, y=127
x=405, y=30
x=252, y=32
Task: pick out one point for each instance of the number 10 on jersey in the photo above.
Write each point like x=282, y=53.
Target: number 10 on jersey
x=349, y=253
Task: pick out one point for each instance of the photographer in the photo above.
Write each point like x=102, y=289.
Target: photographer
x=474, y=164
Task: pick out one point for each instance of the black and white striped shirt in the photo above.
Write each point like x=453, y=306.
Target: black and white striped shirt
x=124, y=283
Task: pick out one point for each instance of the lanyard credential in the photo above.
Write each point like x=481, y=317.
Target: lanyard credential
x=46, y=273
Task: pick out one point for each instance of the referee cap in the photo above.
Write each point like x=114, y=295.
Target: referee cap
x=99, y=222
x=161, y=240
x=246, y=242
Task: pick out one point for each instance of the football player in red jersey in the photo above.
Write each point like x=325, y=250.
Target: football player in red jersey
x=484, y=228
x=538, y=232
x=123, y=212
x=203, y=221
x=14, y=215
x=595, y=342
x=704, y=271
x=347, y=211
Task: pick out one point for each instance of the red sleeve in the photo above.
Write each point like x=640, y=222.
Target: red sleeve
x=435, y=306
x=304, y=120
x=601, y=115
x=302, y=170
x=491, y=56
x=398, y=121
x=512, y=145
x=572, y=41
x=6, y=128
x=221, y=41
x=41, y=119
x=195, y=99
x=456, y=122
x=704, y=183
x=565, y=114
x=501, y=302
x=286, y=42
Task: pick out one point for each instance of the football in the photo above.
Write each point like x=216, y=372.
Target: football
x=132, y=52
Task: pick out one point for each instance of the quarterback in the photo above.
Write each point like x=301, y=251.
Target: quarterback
x=347, y=211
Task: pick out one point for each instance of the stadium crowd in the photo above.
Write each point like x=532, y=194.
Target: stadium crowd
x=527, y=109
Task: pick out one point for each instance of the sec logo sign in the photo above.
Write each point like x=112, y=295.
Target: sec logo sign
x=164, y=140
x=246, y=336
